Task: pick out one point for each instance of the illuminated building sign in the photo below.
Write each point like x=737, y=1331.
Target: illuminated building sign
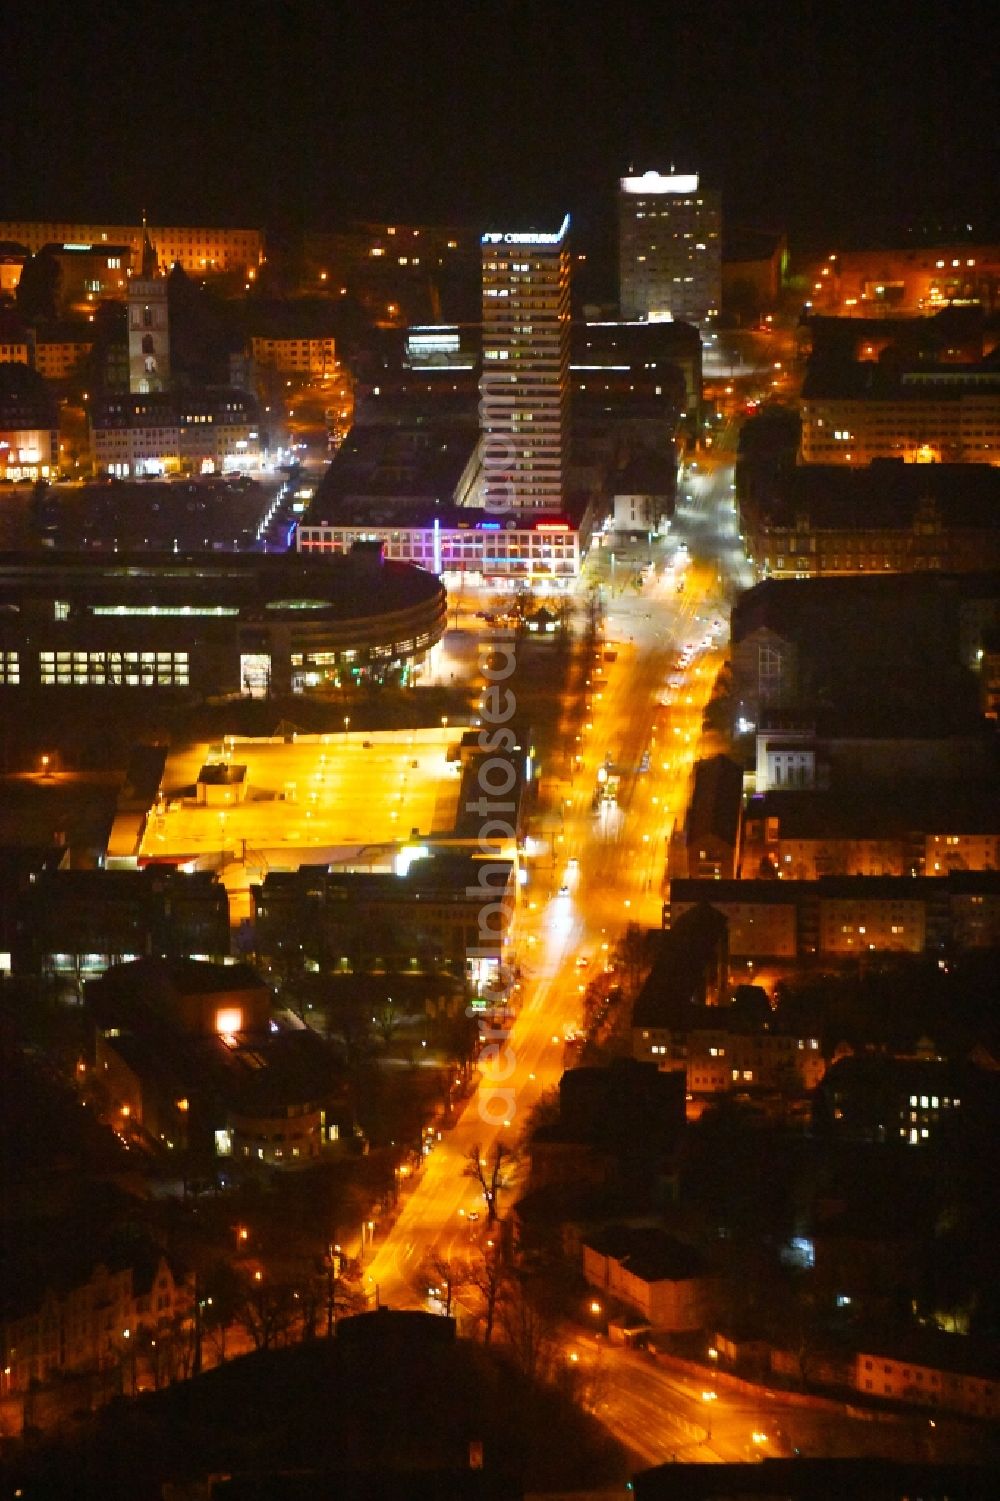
x=657, y=182
x=495, y=237
x=552, y=526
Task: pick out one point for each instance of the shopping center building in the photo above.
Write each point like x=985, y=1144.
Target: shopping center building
x=202, y=625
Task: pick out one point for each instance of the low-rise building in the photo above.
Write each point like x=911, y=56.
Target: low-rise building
x=60, y=353
x=794, y=655
x=246, y=623
x=188, y=1056
x=29, y=425
x=661, y=1278
x=864, y=284
x=456, y=542
x=201, y=251
x=946, y=1373
x=708, y=845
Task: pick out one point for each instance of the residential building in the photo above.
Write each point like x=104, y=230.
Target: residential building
x=717, y=1051
x=73, y=1314
x=200, y=251
x=312, y=357
x=618, y=1123
x=847, y=916
x=853, y=829
x=60, y=352
x=15, y=350
x=852, y=414
x=669, y=247
x=690, y=967
x=524, y=390
x=919, y=1102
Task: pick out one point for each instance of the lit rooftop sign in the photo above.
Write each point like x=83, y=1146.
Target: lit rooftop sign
x=657, y=182
x=497, y=237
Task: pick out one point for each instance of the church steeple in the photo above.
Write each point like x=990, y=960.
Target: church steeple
x=150, y=264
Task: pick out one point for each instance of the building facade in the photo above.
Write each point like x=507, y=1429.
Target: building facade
x=200, y=625
x=538, y=553
x=201, y=251
x=213, y=430
x=29, y=425
x=524, y=391
x=948, y=416
x=305, y=356
x=669, y=247
x=90, y=1324
x=910, y=281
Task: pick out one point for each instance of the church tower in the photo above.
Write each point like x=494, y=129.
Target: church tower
x=148, y=325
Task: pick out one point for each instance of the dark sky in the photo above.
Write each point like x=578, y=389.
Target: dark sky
x=821, y=115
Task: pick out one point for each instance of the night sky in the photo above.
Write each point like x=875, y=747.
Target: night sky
x=824, y=117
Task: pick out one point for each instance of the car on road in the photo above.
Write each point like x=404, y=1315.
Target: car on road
x=564, y=889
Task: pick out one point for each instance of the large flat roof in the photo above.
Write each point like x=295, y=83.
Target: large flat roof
x=269, y=587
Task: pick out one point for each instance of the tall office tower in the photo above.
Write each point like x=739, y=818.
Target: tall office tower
x=148, y=326
x=669, y=248
x=524, y=390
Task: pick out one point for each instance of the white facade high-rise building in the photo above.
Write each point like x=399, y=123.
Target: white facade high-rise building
x=669, y=247
x=524, y=408
x=148, y=326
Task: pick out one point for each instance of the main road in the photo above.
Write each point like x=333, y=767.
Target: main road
x=593, y=872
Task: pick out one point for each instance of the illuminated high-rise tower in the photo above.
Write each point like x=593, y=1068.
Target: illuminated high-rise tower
x=669, y=247
x=524, y=408
x=148, y=325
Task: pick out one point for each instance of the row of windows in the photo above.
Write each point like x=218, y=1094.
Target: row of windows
x=162, y=669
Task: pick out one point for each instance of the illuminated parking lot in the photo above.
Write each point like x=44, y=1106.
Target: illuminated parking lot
x=335, y=798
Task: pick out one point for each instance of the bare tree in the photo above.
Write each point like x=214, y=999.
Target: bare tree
x=443, y=1276
x=489, y=1277
x=529, y=1330
x=491, y=1173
